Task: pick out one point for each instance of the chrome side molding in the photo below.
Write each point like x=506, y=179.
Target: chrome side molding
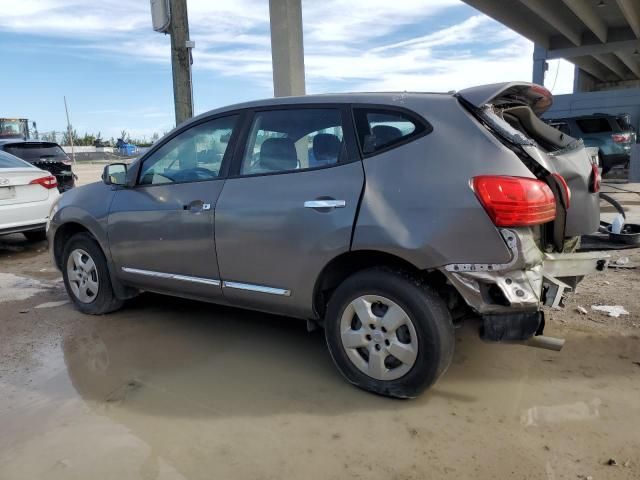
x=172, y=276
x=257, y=288
x=209, y=281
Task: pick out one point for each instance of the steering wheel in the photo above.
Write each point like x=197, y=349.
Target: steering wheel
x=203, y=173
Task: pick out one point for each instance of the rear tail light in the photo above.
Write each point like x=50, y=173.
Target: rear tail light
x=594, y=184
x=621, y=137
x=515, y=201
x=564, y=189
x=48, y=182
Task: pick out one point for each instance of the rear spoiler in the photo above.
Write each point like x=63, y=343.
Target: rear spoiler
x=537, y=97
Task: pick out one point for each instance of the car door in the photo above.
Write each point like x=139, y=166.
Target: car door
x=288, y=208
x=161, y=230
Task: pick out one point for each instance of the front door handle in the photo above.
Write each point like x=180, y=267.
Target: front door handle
x=197, y=206
x=328, y=203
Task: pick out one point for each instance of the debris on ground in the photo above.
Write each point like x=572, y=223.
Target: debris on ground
x=611, y=310
x=582, y=310
x=622, y=261
x=612, y=462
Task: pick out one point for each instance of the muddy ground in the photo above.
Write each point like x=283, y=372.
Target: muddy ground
x=175, y=389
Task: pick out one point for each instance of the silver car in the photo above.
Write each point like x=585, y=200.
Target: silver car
x=386, y=218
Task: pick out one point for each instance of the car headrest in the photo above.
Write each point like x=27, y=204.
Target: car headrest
x=326, y=147
x=278, y=154
x=385, y=134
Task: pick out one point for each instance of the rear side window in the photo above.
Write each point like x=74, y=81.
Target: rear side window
x=9, y=161
x=594, y=125
x=33, y=152
x=380, y=129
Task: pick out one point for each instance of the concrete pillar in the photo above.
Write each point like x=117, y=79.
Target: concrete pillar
x=539, y=64
x=576, y=78
x=287, y=51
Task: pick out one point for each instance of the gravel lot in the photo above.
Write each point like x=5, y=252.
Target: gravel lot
x=175, y=389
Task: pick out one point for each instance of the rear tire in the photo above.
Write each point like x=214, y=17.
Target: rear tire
x=86, y=276
x=402, y=317
x=36, y=235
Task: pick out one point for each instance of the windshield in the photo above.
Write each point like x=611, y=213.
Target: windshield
x=12, y=127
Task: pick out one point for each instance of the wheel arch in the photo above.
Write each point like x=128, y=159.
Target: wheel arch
x=64, y=233
x=348, y=263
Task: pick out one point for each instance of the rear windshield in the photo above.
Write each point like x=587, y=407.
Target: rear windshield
x=594, y=125
x=32, y=152
x=9, y=161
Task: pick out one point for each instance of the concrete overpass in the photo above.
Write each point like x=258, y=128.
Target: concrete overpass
x=600, y=37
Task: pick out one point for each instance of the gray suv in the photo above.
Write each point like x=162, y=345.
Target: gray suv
x=384, y=218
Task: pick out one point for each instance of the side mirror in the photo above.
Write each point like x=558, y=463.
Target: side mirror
x=115, y=174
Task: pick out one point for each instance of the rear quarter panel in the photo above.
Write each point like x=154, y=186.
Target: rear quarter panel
x=418, y=203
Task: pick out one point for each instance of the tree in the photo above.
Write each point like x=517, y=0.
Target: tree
x=124, y=136
x=66, y=138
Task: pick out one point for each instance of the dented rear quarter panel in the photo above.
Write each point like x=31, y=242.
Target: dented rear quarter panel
x=418, y=203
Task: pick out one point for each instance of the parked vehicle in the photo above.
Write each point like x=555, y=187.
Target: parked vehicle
x=611, y=134
x=126, y=149
x=26, y=197
x=14, y=128
x=48, y=156
x=382, y=217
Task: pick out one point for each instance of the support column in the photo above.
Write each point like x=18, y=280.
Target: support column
x=576, y=79
x=287, y=51
x=181, y=61
x=540, y=64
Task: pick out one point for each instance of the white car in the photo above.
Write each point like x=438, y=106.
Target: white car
x=26, y=197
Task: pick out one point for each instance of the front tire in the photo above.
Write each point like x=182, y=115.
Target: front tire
x=86, y=276
x=389, y=334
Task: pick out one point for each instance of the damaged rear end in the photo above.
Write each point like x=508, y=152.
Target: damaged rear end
x=540, y=218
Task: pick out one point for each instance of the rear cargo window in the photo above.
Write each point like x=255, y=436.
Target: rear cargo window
x=9, y=161
x=594, y=125
x=380, y=129
x=35, y=152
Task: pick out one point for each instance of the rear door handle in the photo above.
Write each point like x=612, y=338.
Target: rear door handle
x=325, y=204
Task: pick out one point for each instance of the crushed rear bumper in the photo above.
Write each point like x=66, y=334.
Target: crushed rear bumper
x=531, y=279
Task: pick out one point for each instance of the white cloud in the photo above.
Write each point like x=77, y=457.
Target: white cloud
x=349, y=44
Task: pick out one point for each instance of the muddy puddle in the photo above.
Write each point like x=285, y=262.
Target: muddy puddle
x=173, y=389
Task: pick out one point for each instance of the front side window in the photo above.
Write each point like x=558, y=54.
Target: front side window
x=379, y=129
x=193, y=155
x=295, y=139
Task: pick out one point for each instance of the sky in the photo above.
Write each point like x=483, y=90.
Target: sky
x=116, y=73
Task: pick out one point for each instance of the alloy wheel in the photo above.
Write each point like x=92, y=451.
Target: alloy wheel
x=379, y=337
x=83, y=276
